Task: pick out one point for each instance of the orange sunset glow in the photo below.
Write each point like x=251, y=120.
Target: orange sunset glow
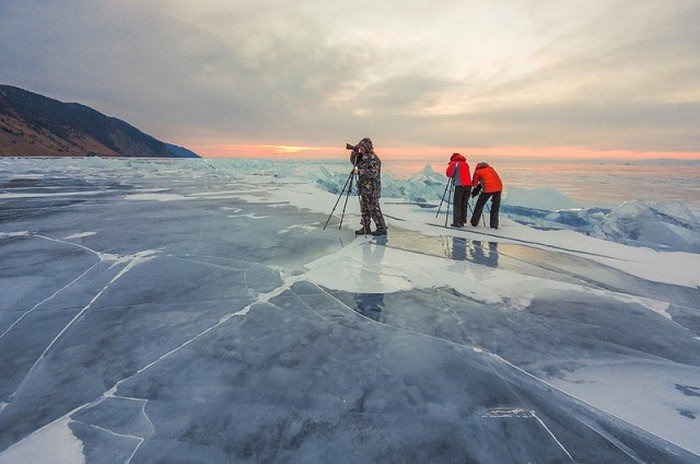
x=429, y=153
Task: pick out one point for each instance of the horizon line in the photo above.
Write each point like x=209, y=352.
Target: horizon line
x=299, y=151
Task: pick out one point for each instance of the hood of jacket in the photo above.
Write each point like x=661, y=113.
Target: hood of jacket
x=482, y=165
x=366, y=143
x=457, y=157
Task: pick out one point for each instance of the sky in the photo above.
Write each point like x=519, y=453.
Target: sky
x=594, y=78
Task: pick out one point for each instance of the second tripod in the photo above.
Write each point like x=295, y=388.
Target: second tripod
x=347, y=188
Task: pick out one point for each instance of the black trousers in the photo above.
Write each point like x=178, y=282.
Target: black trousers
x=495, y=206
x=461, y=201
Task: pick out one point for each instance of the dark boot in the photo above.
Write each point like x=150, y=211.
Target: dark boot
x=379, y=232
x=364, y=231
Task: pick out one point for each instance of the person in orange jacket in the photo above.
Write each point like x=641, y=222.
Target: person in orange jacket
x=458, y=170
x=487, y=184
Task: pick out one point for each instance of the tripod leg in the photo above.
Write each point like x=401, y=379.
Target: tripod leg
x=447, y=213
x=447, y=184
x=338, y=200
x=347, y=195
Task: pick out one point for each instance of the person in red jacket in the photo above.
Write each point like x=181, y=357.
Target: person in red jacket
x=487, y=185
x=458, y=170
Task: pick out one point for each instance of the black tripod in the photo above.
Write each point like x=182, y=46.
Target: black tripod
x=483, y=215
x=450, y=185
x=347, y=188
x=471, y=212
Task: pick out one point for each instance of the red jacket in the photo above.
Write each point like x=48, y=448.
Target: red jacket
x=487, y=176
x=459, y=168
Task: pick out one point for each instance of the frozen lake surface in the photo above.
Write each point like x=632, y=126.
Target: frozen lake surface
x=169, y=311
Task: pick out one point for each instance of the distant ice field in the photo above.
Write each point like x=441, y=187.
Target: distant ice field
x=604, y=183
x=590, y=183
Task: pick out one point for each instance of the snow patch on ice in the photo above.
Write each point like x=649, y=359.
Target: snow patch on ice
x=49, y=195
x=14, y=234
x=156, y=197
x=508, y=412
x=644, y=393
x=80, y=235
x=277, y=205
x=213, y=194
x=49, y=445
x=137, y=258
x=151, y=190
x=228, y=196
x=297, y=226
x=249, y=216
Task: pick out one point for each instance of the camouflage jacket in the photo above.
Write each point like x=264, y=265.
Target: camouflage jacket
x=369, y=168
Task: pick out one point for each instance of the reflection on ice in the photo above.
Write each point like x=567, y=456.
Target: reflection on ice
x=370, y=304
x=485, y=253
x=448, y=246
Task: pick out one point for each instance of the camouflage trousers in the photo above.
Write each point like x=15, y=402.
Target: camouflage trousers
x=369, y=208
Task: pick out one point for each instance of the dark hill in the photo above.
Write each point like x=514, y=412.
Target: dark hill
x=34, y=125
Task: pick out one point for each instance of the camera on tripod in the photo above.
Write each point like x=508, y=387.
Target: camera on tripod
x=355, y=157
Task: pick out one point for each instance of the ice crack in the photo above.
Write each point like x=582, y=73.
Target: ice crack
x=131, y=261
x=101, y=255
x=263, y=298
x=552, y=435
x=46, y=299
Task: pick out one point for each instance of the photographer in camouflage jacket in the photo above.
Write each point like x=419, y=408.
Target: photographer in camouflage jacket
x=368, y=168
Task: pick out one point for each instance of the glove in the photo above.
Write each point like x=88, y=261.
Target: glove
x=476, y=190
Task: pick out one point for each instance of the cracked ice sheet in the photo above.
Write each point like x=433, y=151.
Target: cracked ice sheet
x=274, y=385
x=579, y=342
x=197, y=230
x=28, y=271
x=129, y=326
x=373, y=272
x=205, y=268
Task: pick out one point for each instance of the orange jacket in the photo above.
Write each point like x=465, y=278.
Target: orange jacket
x=488, y=177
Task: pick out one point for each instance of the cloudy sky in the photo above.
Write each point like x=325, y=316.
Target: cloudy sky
x=509, y=77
